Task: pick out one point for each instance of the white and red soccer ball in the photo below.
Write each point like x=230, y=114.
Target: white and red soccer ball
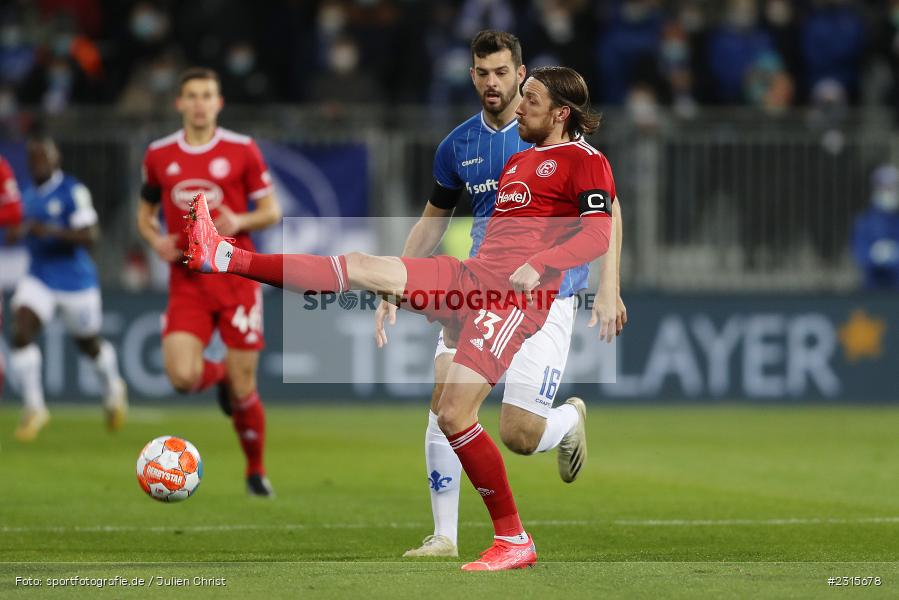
x=169, y=469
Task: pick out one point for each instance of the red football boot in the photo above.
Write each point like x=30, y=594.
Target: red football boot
x=502, y=556
x=206, y=249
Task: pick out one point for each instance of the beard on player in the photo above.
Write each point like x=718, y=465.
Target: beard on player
x=495, y=101
x=535, y=133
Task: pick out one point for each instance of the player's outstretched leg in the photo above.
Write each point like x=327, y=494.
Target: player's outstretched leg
x=209, y=252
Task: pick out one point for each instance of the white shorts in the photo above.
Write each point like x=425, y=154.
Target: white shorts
x=82, y=311
x=536, y=370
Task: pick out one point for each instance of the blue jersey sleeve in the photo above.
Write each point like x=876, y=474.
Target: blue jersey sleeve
x=444, y=165
x=80, y=207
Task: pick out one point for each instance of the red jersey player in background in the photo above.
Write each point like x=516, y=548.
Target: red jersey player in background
x=552, y=212
x=230, y=170
x=10, y=214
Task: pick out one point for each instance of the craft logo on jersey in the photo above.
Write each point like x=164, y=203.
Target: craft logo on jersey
x=472, y=161
x=514, y=194
x=546, y=168
x=184, y=192
x=219, y=167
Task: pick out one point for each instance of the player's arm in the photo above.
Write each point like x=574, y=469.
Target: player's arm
x=430, y=228
x=82, y=224
x=81, y=236
x=608, y=309
x=10, y=214
x=10, y=199
x=266, y=214
x=166, y=246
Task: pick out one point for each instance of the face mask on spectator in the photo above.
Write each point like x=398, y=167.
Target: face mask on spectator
x=60, y=76
x=886, y=199
x=344, y=58
x=241, y=60
x=741, y=15
x=633, y=11
x=146, y=24
x=10, y=36
x=779, y=12
x=674, y=52
x=331, y=20
x=162, y=79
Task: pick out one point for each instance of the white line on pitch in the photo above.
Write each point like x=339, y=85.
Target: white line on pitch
x=413, y=525
x=788, y=521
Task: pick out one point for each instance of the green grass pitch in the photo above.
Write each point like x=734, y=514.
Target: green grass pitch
x=686, y=502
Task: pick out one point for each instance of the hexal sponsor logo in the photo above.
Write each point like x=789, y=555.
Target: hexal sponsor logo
x=185, y=191
x=514, y=194
x=546, y=168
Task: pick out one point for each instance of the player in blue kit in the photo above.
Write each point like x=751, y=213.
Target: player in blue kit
x=471, y=159
x=59, y=226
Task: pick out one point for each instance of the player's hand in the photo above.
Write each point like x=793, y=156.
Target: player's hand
x=621, y=316
x=524, y=279
x=605, y=314
x=40, y=230
x=385, y=310
x=166, y=246
x=227, y=222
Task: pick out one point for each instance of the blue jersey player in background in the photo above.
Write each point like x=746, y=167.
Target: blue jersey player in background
x=59, y=227
x=471, y=159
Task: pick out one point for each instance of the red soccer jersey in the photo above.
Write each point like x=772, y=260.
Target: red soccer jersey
x=229, y=169
x=10, y=199
x=542, y=193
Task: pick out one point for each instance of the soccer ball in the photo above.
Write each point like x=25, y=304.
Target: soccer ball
x=169, y=469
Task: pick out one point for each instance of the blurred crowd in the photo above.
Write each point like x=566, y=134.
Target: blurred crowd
x=639, y=53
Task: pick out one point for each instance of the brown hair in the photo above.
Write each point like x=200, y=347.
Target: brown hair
x=490, y=41
x=567, y=88
x=198, y=73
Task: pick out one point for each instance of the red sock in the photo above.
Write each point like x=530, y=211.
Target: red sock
x=213, y=372
x=249, y=423
x=485, y=468
x=295, y=272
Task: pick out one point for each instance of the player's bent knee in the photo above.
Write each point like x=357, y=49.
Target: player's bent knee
x=183, y=379
x=452, y=421
x=518, y=441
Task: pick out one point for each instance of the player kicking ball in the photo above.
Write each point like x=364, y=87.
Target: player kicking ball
x=470, y=159
x=552, y=213
x=60, y=224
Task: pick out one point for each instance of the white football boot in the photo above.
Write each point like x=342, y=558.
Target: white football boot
x=572, y=453
x=434, y=545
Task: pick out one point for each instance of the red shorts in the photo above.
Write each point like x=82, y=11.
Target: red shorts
x=200, y=304
x=492, y=325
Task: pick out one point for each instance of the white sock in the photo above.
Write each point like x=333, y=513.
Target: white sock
x=26, y=365
x=521, y=538
x=444, y=471
x=107, y=366
x=223, y=253
x=559, y=422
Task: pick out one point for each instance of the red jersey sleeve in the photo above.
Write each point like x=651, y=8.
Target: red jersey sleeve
x=591, y=186
x=257, y=179
x=10, y=199
x=151, y=189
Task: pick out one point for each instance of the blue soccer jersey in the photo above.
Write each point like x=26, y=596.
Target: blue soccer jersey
x=62, y=202
x=472, y=156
